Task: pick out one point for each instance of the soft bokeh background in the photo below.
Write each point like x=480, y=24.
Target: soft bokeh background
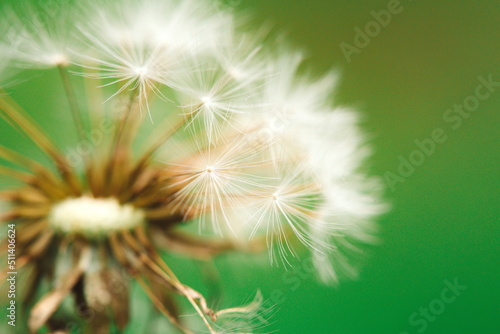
x=444, y=224
x=445, y=218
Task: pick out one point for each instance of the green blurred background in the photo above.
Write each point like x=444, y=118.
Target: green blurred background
x=445, y=218
x=444, y=224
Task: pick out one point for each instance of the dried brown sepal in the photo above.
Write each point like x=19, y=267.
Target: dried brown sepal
x=44, y=308
x=117, y=286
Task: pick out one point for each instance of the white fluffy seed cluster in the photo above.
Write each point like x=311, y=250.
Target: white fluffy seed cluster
x=94, y=217
x=263, y=153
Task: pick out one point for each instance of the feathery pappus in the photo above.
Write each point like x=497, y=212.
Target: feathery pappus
x=192, y=135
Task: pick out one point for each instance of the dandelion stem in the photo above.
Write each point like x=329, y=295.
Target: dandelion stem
x=48, y=176
x=185, y=291
x=119, y=252
x=161, y=268
x=20, y=159
x=73, y=103
x=94, y=94
x=13, y=114
x=123, y=123
x=118, y=154
x=159, y=305
x=45, y=180
x=156, y=145
x=15, y=174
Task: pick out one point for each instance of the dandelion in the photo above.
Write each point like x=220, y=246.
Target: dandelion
x=240, y=153
x=38, y=38
x=212, y=95
x=139, y=44
x=215, y=178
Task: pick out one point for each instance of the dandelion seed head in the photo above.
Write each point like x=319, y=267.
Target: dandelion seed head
x=141, y=71
x=93, y=217
x=255, y=157
x=207, y=101
x=236, y=73
x=60, y=60
x=38, y=38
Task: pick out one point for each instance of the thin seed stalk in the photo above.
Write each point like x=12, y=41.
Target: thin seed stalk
x=13, y=114
x=73, y=103
x=156, y=145
x=119, y=155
